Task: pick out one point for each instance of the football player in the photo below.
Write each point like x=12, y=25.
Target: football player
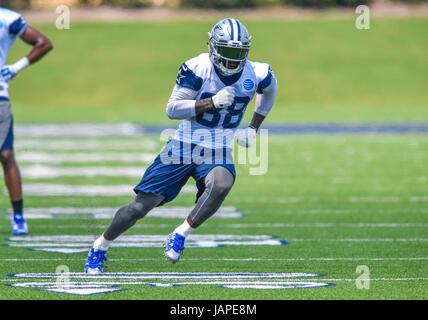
x=12, y=26
x=211, y=94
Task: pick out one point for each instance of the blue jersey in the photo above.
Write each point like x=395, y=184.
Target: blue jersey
x=215, y=129
x=12, y=25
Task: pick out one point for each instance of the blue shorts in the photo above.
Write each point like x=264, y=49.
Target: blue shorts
x=8, y=142
x=168, y=179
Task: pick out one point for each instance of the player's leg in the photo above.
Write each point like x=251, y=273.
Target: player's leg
x=124, y=219
x=161, y=183
x=218, y=183
x=128, y=215
x=12, y=175
x=11, y=172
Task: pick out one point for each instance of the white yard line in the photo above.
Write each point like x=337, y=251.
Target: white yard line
x=77, y=130
x=50, y=189
x=231, y=276
x=90, y=157
x=351, y=211
x=135, y=238
x=43, y=172
x=208, y=282
x=70, y=244
x=73, y=144
x=326, y=259
x=360, y=239
x=225, y=212
x=325, y=225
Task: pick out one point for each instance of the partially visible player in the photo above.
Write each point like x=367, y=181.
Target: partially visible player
x=211, y=94
x=12, y=26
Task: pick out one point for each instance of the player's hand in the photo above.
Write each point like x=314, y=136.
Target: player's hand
x=224, y=98
x=8, y=73
x=246, y=137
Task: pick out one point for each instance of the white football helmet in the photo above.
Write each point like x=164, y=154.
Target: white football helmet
x=229, y=45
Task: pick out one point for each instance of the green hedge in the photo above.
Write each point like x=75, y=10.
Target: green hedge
x=214, y=4
x=226, y=4
x=325, y=3
x=222, y=4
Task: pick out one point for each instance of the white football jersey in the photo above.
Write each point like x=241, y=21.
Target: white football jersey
x=12, y=25
x=215, y=129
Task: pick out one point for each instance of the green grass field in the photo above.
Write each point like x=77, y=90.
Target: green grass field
x=340, y=201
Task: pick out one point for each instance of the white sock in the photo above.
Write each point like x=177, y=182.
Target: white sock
x=102, y=243
x=184, y=229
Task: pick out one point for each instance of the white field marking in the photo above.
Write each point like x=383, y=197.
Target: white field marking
x=92, y=284
x=284, y=285
x=40, y=172
x=376, y=279
x=225, y=212
x=419, y=199
x=324, y=225
x=362, y=240
x=51, y=189
x=76, y=244
x=227, y=259
x=82, y=289
x=77, y=130
x=98, y=157
x=137, y=238
x=208, y=277
x=102, y=226
x=378, y=199
x=350, y=211
x=189, y=244
x=271, y=200
x=62, y=250
x=96, y=288
x=73, y=144
x=130, y=281
x=172, y=275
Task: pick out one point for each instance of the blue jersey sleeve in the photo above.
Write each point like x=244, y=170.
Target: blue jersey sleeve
x=265, y=82
x=15, y=22
x=17, y=27
x=188, y=79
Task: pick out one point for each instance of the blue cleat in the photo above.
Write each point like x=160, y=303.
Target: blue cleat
x=174, y=245
x=19, y=226
x=95, y=262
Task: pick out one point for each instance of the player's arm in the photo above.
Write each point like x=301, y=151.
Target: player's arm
x=264, y=103
x=41, y=45
x=182, y=103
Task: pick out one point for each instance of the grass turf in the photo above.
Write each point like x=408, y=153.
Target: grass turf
x=320, y=191
x=367, y=207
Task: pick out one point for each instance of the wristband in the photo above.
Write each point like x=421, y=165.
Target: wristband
x=20, y=65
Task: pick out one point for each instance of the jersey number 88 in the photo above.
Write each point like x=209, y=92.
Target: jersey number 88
x=236, y=109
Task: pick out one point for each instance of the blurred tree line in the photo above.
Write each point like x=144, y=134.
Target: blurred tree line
x=202, y=4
